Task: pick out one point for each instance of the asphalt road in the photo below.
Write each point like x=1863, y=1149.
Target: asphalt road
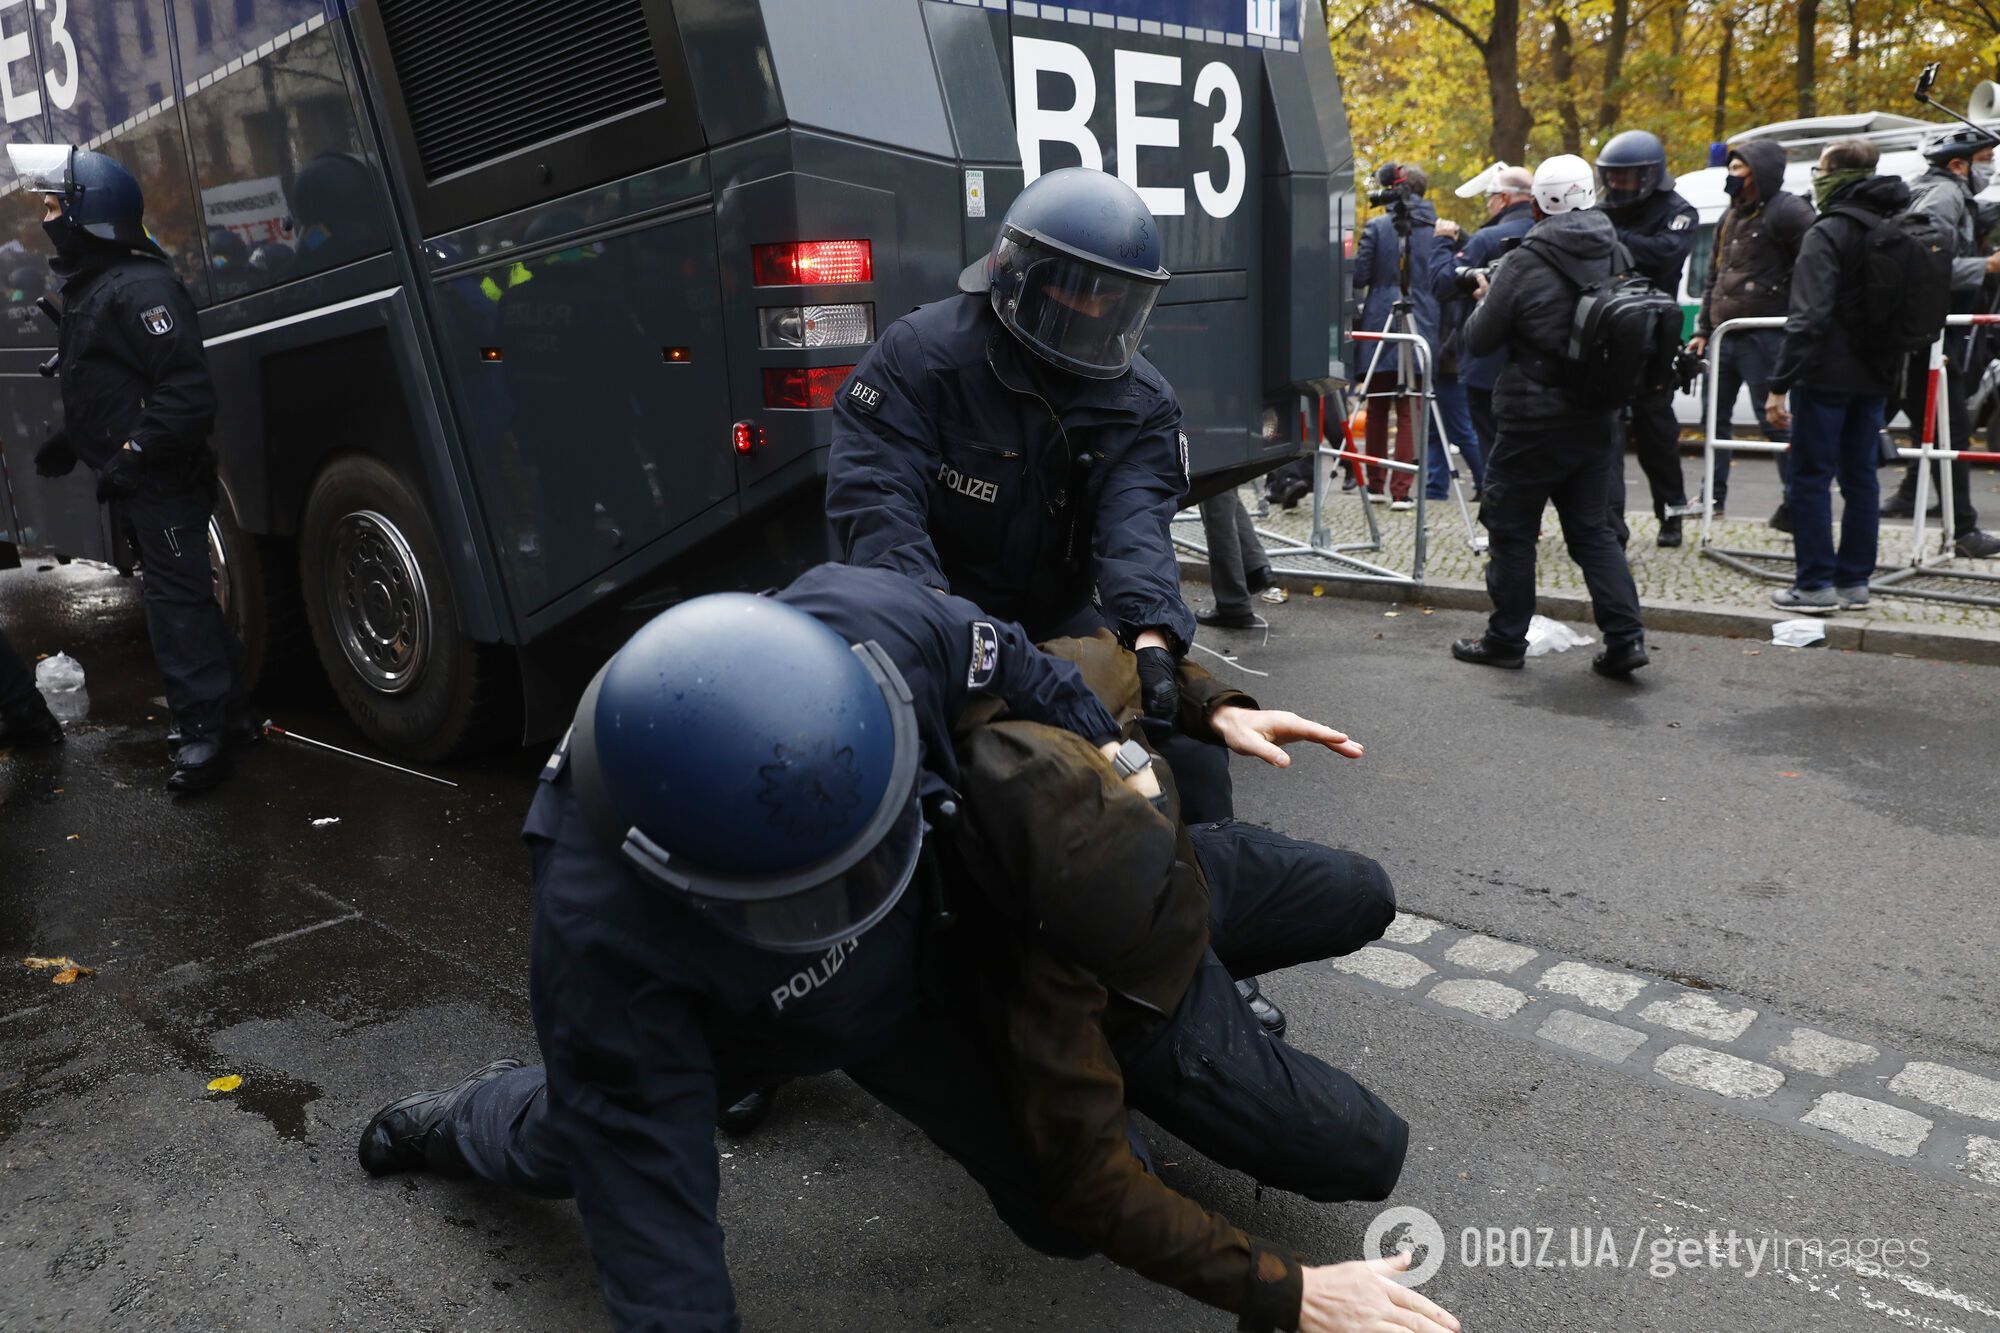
x=1802, y=834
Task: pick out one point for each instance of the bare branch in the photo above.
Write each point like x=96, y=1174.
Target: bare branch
x=1480, y=44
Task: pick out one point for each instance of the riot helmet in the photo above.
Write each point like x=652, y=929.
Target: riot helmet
x=1630, y=168
x=1956, y=141
x=1075, y=271
x=1563, y=184
x=757, y=767
x=99, y=197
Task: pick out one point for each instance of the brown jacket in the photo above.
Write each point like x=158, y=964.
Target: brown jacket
x=1109, y=911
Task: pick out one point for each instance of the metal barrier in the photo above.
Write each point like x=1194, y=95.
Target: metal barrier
x=1933, y=442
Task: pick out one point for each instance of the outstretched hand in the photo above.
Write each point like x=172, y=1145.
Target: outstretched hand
x=1361, y=1296
x=1262, y=732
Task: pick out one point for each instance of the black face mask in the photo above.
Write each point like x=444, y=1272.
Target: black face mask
x=1733, y=186
x=71, y=240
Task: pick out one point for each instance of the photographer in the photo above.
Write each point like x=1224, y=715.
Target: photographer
x=1509, y=214
x=1657, y=227
x=1550, y=446
x=1408, y=219
x=1751, y=275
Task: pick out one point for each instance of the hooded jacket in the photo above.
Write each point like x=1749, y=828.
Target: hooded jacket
x=1949, y=198
x=1756, y=244
x=1820, y=350
x=1528, y=311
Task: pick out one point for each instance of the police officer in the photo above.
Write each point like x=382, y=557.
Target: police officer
x=1011, y=445
x=137, y=406
x=1657, y=228
x=762, y=898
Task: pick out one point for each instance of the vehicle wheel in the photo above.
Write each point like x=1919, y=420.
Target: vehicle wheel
x=384, y=618
x=256, y=586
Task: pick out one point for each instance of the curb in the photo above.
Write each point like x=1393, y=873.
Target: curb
x=1938, y=643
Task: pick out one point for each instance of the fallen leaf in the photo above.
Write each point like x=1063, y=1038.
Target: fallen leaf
x=44, y=964
x=1753, y=652
x=1318, y=591
x=69, y=975
x=1783, y=774
x=227, y=1083
x=1392, y=613
x=74, y=837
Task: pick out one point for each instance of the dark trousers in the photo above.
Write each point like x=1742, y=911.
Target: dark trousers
x=1236, y=558
x=1456, y=410
x=18, y=695
x=1480, y=403
x=1209, y=1075
x=1527, y=470
x=1655, y=436
x=1834, y=437
x=1964, y=516
x=1382, y=398
x=1746, y=359
x=196, y=651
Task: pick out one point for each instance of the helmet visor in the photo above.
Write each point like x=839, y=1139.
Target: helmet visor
x=1085, y=319
x=1620, y=186
x=42, y=167
x=838, y=909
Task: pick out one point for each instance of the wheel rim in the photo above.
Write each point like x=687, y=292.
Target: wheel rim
x=218, y=565
x=380, y=607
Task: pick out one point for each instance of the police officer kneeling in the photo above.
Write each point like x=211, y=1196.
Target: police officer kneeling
x=1550, y=446
x=730, y=906
x=137, y=406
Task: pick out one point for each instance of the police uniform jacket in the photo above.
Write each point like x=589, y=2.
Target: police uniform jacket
x=646, y=1016
x=132, y=365
x=1659, y=233
x=962, y=462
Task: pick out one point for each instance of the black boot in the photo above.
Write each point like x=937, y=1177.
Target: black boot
x=1269, y=1015
x=199, y=764
x=1670, y=532
x=395, y=1139
x=1619, y=660
x=1482, y=653
x=1781, y=517
x=740, y=1118
x=1221, y=619
x=30, y=729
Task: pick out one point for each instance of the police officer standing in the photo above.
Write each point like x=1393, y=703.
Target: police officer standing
x=137, y=406
x=1657, y=228
x=1012, y=446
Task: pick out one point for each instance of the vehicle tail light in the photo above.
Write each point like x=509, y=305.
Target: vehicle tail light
x=810, y=263
x=804, y=386
x=746, y=436
x=816, y=326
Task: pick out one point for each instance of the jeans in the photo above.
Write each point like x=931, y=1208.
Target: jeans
x=1456, y=410
x=1746, y=359
x=1527, y=470
x=1208, y=1075
x=1236, y=557
x=1833, y=437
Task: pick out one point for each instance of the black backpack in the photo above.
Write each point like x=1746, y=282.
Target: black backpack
x=1622, y=343
x=1904, y=292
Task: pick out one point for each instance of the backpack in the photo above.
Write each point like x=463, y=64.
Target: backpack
x=1904, y=291
x=1622, y=343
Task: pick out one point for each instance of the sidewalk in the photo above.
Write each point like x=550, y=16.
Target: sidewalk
x=1679, y=589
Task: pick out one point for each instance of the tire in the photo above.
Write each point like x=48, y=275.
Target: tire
x=256, y=584
x=384, y=617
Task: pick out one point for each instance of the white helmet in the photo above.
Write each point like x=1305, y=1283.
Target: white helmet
x=1565, y=183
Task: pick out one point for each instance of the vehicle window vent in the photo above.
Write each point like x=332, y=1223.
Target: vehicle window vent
x=484, y=78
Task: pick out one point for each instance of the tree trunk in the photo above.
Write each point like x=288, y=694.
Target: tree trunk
x=1853, y=70
x=1511, y=118
x=1614, y=63
x=1804, y=63
x=1722, y=80
x=1562, y=63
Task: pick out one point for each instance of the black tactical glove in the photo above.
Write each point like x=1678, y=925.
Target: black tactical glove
x=119, y=477
x=1159, y=683
x=56, y=457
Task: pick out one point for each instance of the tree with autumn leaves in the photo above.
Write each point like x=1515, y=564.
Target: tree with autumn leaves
x=1456, y=84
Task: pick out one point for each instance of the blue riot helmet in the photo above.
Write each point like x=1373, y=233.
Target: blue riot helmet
x=99, y=197
x=1631, y=167
x=1074, y=271
x=756, y=766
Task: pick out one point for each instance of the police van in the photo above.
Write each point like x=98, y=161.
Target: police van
x=1899, y=138
x=525, y=318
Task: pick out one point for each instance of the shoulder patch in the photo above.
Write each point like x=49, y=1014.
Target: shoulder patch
x=1181, y=436
x=864, y=395
x=156, y=320
x=985, y=656
x=1682, y=221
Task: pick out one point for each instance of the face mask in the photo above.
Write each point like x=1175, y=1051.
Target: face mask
x=69, y=238
x=1980, y=176
x=1733, y=186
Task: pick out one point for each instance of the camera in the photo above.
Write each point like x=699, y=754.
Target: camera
x=1396, y=195
x=1468, y=279
x=1688, y=366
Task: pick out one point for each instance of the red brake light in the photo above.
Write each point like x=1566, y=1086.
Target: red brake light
x=746, y=436
x=812, y=263
x=804, y=386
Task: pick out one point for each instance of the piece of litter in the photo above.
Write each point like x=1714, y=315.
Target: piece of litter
x=1552, y=636
x=1392, y=614
x=68, y=976
x=74, y=837
x=227, y=1083
x=324, y=820
x=1798, y=633
x=43, y=964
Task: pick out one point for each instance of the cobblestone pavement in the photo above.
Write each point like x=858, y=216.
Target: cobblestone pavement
x=1682, y=577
